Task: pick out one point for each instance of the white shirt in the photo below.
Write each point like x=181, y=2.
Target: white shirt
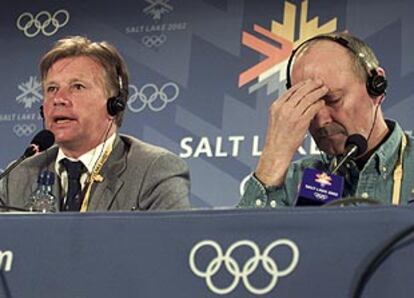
x=89, y=159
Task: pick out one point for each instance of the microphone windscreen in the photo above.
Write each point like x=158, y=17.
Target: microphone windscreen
x=43, y=139
x=359, y=141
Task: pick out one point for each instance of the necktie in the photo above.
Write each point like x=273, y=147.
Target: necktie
x=74, y=198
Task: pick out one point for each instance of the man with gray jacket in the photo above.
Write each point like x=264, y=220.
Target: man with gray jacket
x=85, y=86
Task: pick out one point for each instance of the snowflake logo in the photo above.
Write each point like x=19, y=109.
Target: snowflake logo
x=265, y=72
x=157, y=8
x=31, y=92
x=324, y=179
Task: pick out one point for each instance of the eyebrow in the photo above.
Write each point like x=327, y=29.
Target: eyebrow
x=71, y=81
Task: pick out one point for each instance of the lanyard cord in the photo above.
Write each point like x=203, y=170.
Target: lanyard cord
x=95, y=176
x=398, y=173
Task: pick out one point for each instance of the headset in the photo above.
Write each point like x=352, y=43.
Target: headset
x=376, y=83
x=116, y=104
x=42, y=114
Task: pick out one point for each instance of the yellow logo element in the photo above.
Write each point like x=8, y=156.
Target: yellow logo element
x=323, y=179
x=283, y=34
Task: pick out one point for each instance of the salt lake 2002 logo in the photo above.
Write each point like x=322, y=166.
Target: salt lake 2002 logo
x=276, y=44
x=157, y=33
x=25, y=123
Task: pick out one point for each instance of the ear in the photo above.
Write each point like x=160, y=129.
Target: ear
x=110, y=117
x=381, y=71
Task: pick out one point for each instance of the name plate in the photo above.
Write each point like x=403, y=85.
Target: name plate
x=318, y=188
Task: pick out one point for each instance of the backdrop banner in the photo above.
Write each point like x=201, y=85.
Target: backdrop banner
x=202, y=72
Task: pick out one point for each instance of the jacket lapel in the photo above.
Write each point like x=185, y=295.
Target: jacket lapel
x=103, y=193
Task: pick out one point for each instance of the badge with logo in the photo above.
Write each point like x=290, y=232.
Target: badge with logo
x=318, y=188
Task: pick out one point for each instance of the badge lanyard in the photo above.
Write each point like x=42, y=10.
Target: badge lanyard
x=95, y=177
x=398, y=173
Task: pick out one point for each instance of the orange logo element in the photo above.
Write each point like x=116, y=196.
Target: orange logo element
x=283, y=34
x=323, y=179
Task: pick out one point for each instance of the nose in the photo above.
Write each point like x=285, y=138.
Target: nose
x=322, y=118
x=60, y=98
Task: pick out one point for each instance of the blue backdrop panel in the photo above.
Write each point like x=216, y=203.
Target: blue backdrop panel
x=203, y=73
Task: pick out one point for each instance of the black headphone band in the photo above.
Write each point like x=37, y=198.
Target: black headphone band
x=376, y=83
x=117, y=103
x=336, y=39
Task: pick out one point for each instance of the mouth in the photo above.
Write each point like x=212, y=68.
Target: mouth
x=330, y=136
x=62, y=120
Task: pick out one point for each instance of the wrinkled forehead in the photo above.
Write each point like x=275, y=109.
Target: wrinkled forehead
x=74, y=64
x=321, y=57
x=80, y=67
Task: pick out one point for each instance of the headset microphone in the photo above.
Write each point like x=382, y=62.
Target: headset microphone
x=355, y=145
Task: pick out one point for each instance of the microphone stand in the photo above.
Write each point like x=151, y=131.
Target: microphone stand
x=3, y=205
x=12, y=166
x=345, y=158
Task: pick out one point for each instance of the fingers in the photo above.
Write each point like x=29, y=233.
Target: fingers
x=305, y=96
x=291, y=91
x=308, y=90
x=289, y=119
x=311, y=98
x=311, y=110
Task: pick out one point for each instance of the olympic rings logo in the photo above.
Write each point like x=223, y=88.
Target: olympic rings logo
x=24, y=130
x=154, y=40
x=43, y=22
x=150, y=96
x=231, y=265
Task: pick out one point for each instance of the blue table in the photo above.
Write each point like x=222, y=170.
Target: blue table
x=302, y=252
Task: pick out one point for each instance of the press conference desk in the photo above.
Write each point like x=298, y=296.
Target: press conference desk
x=307, y=252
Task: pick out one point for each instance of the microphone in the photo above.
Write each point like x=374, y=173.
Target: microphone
x=41, y=141
x=355, y=145
x=320, y=188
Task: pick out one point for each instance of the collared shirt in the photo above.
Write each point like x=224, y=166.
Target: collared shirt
x=89, y=159
x=374, y=181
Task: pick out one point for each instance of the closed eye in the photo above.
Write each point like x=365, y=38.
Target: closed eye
x=331, y=100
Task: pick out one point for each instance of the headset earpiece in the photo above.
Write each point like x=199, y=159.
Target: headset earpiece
x=42, y=114
x=115, y=105
x=376, y=84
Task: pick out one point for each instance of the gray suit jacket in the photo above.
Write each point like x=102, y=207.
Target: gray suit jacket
x=137, y=176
